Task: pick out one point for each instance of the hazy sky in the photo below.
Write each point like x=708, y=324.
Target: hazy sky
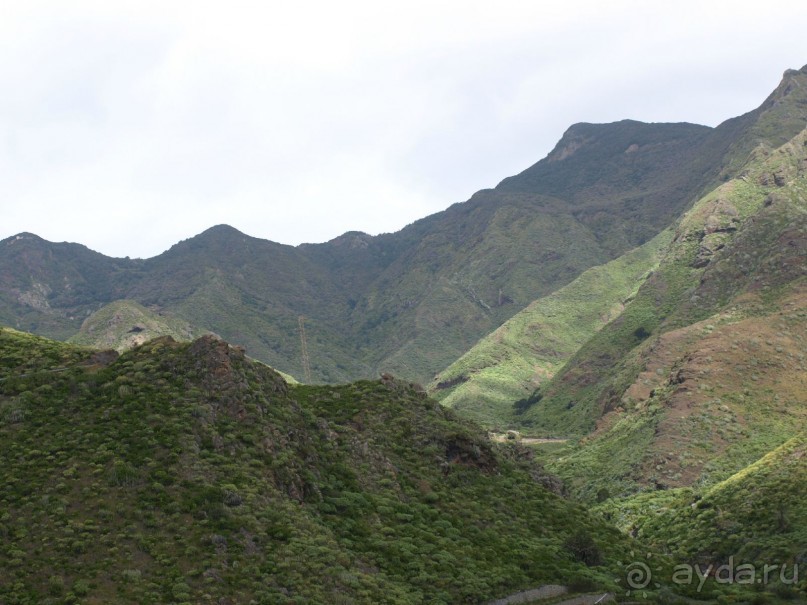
x=128, y=126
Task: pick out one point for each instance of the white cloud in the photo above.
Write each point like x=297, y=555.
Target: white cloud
x=130, y=125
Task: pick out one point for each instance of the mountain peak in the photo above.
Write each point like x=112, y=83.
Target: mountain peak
x=780, y=117
x=589, y=155
x=22, y=237
x=222, y=230
x=218, y=237
x=793, y=81
x=794, y=72
x=352, y=240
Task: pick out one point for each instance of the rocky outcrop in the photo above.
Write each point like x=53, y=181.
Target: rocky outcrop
x=722, y=219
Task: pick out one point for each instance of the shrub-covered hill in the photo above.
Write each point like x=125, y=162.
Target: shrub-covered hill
x=528, y=349
x=748, y=532
x=758, y=514
x=738, y=252
x=188, y=473
x=124, y=324
x=703, y=373
x=691, y=405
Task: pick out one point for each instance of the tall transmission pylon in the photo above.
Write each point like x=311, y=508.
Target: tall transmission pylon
x=304, y=349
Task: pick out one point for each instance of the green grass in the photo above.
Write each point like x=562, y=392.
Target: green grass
x=528, y=349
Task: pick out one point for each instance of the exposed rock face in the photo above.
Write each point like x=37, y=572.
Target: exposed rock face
x=722, y=219
x=710, y=244
x=352, y=240
x=214, y=354
x=36, y=297
x=569, y=149
x=220, y=368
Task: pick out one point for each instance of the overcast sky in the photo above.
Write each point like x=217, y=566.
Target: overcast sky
x=128, y=126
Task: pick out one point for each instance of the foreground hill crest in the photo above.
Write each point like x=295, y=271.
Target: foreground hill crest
x=186, y=472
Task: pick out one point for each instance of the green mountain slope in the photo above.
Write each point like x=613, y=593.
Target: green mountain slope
x=414, y=301
x=515, y=358
x=51, y=288
x=124, y=324
x=184, y=472
x=756, y=514
x=605, y=189
x=374, y=304
x=704, y=370
x=691, y=405
x=252, y=291
x=747, y=532
x=529, y=348
x=473, y=266
x=410, y=302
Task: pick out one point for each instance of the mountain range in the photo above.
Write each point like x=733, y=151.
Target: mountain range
x=410, y=302
x=628, y=316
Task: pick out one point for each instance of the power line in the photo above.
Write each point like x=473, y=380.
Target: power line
x=304, y=349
